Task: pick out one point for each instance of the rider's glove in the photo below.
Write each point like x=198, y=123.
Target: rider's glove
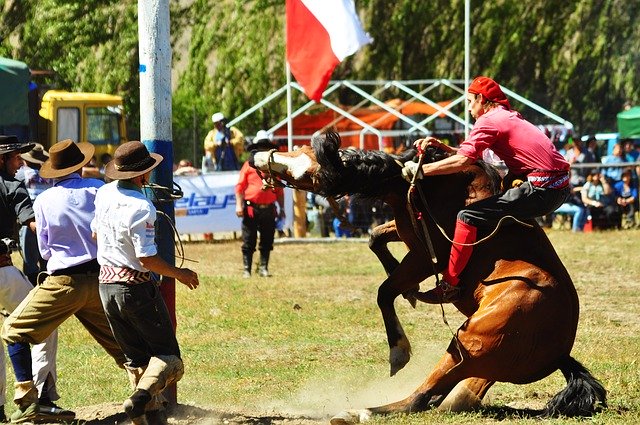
x=409, y=170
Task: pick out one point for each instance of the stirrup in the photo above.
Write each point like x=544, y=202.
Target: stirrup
x=447, y=292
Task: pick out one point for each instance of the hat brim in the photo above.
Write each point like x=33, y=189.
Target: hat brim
x=32, y=159
x=48, y=172
x=19, y=147
x=263, y=144
x=111, y=171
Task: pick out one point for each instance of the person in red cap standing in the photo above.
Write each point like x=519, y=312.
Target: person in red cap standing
x=529, y=156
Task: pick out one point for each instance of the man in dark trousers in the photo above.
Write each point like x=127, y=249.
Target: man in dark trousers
x=257, y=207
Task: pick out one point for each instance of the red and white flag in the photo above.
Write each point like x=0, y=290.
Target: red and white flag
x=320, y=34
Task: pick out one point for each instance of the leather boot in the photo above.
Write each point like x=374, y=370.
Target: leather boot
x=247, y=258
x=263, y=269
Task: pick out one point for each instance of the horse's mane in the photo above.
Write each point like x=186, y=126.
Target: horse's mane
x=345, y=171
x=348, y=171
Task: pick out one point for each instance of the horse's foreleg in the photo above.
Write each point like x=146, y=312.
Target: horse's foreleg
x=409, y=273
x=380, y=236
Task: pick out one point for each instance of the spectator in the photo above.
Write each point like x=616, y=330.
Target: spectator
x=576, y=156
x=124, y=225
x=91, y=170
x=186, y=168
x=614, y=174
x=626, y=196
x=592, y=147
x=29, y=173
x=63, y=214
x=630, y=152
x=223, y=145
x=345, y=205
x=597, y=196
x=16, y=207
x=576, y=209
x=257, y=208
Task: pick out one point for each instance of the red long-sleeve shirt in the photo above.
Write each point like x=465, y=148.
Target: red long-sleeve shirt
x=250, y=184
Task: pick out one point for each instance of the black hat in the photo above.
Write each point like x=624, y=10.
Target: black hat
x=11, y=144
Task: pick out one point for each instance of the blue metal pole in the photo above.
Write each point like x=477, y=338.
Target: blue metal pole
x=155, y=126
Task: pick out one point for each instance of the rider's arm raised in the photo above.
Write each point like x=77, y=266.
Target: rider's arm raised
x=449, y=165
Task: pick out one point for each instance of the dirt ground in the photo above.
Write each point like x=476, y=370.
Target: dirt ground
x=111, y=413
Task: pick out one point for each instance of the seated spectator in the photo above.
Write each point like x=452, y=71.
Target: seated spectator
x=626, y=195
x=576, y=209
x=614, y=174
x=186, y=168
x=597, y=195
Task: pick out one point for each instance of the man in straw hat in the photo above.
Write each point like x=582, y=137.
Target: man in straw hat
x=63, y=216
x=128, y=254
x=16, y=207
x=528, y=154
x=257, y=207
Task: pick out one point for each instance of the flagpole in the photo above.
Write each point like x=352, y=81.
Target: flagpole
x=467, y=37
x=289, y=109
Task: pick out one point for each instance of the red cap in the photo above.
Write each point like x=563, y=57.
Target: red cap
x=490, y=90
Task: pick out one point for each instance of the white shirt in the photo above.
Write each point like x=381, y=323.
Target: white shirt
x=125, y=226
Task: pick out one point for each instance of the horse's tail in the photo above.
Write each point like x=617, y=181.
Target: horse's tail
x=584, y=395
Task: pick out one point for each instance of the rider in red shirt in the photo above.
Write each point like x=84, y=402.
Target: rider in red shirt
x=528, y=154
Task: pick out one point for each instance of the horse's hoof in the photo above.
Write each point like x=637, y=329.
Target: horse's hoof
x=350, y=417
x=398, y=358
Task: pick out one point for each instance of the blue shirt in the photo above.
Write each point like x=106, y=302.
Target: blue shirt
x=63, y=220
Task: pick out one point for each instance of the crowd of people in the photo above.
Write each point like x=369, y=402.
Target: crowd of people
x=605, y=189
x=98, y=260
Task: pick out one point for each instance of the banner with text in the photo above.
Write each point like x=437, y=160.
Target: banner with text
x=209, y=203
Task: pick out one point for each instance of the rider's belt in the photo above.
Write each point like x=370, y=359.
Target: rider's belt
x=111, y=274
x=88, y=267
x=259, y=206
x=549, y=179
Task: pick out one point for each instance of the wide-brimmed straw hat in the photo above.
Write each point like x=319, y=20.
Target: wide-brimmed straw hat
x=131, y=159
x=11, y=144
x=37, y=155
x=66, y=157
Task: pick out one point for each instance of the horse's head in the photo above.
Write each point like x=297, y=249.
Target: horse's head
x=296, y=169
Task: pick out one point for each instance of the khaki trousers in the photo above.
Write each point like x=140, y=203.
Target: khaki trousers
x=52, y=302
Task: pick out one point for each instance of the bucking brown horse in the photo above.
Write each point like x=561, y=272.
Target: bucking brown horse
x=519, y=300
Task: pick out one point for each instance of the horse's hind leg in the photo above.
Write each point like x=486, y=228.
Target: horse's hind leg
x=445, y=376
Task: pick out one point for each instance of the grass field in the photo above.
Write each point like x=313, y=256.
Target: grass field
x=309, y=342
